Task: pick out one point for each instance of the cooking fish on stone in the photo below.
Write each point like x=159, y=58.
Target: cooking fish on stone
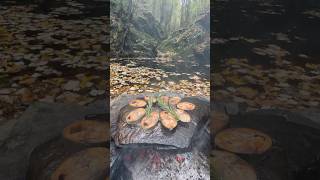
x=146, y=98
x=168, y=120
x=135, y=115
x=165, y=99
x=148, y=122
x=183, y=116
x=139, y=103
x=174, y=100
x=187, y=106
x=125, y=134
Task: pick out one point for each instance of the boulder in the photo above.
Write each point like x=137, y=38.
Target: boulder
x=180, y=137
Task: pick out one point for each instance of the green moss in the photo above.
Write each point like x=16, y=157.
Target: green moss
x=183, y=41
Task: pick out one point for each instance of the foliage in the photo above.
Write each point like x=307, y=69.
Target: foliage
x=175, y=14
x=193, y=41
x=149, y=107
x=167, y=107
x=138, y=27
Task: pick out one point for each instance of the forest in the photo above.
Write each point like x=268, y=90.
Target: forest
x=142, y=28
x=166, y=41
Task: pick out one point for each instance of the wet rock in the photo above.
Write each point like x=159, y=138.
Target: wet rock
x=95, y=92
x=68, y=97
x=6, y=91
x=72, y=85
x=26, y=95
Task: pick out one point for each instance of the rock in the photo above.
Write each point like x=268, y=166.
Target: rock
x=26, y=95
x=7, y=98
x=85, y=100
x=95, y=92
x=247, y=92
x=68, y=97
x=72, y=85
x=180, y=137
x=28, y=81
x=47, y=99
x=6, y=91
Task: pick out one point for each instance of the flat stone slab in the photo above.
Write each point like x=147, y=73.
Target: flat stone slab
x=39, y=123
x=180, y=137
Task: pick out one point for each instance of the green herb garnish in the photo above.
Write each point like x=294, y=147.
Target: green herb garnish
x=167, y=107
x=149, y=106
